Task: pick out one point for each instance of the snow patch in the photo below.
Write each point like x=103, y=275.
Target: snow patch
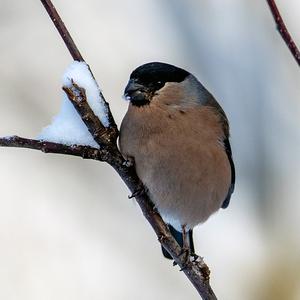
x=67, y=126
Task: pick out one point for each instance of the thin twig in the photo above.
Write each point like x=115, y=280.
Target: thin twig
x=63, y=31
x=284, y=31
x=86, y=152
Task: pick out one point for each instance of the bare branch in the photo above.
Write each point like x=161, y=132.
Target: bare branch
x=63, y=31
x=50, y=147
x=283, y=31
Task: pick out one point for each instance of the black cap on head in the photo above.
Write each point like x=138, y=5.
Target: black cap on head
x=158, y=72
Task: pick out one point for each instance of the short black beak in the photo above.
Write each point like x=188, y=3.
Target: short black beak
x=133, y=90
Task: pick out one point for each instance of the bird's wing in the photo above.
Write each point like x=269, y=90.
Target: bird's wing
x=223, y=118
x=231, y=188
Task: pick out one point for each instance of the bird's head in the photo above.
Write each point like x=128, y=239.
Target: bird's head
x=149, y=80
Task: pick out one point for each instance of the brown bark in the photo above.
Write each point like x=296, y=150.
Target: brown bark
x=284, y=31
x=50, y=147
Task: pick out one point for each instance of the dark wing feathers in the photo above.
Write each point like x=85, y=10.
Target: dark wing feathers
x=231, y=188
x=224, y=121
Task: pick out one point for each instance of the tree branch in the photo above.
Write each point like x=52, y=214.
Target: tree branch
x=284, y=31
x=196, y=271
x=63, y=31
x=50, y=147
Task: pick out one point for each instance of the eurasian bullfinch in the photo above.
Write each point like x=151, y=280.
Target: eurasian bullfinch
x=178, y=136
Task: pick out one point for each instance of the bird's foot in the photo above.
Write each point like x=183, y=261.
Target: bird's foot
x=186, y=254
x=188, y=257
x=195, y=257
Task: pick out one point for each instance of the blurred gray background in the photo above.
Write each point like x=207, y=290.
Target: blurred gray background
x=67, y=229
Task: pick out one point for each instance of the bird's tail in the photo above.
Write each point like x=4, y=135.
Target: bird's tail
x=179, y=238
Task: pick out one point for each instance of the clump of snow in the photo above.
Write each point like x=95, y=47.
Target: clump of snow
x=67, y=126
x=79, y=72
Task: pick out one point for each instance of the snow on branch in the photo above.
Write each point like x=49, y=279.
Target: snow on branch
x=80, y=74
x=83, y=117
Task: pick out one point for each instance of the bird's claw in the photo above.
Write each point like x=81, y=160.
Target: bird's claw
x=195, y=257
x=187, y=255
x=187, y=258
x=138, y=192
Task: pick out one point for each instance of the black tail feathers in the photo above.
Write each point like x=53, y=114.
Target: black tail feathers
x=179, y=238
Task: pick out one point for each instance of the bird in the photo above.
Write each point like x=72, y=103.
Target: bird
x=177, y=136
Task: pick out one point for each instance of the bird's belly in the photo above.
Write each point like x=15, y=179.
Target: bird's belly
x=185, y=168
x=186, y=183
